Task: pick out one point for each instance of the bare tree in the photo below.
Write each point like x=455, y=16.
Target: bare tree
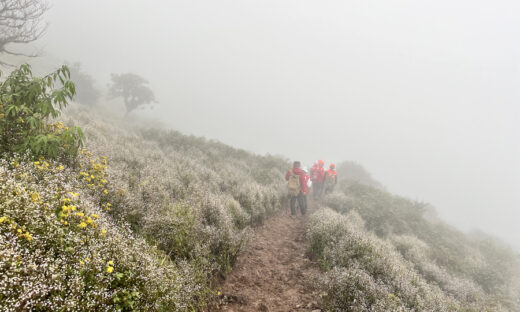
x=20, y=22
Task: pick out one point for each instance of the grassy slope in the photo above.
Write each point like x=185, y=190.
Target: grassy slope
x=144, y=221
x=382, y=252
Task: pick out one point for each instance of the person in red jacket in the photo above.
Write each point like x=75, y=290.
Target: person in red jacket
x=317, y=176
x=331, y=179
x=298, y=189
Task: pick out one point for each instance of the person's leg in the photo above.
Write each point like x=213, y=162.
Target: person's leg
x=320, y=190
x=302, y=201
x=293, y=205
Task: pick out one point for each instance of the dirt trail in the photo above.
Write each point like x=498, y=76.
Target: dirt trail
x=274, y=272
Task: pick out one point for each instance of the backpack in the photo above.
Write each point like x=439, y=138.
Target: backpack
x=293, y=186
x=330, y=178
x=315, y=174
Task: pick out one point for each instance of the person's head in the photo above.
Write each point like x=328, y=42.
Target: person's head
x=321, y=163
x=332, y=166
x=297, y=164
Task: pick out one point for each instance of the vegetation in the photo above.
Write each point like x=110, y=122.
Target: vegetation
x=144, y=219
x=133, y=89
x=385, y=253
x=140, y=220
x=26, y=105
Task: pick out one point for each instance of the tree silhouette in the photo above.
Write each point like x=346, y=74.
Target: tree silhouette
x=133, y=89
x=86, y=92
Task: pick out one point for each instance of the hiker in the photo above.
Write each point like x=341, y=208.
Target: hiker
x=331, y=179
x=297, y=187
x=317, y=175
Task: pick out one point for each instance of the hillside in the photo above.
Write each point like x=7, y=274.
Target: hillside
x=149, y=219
x=382, y=252
x=144, y=220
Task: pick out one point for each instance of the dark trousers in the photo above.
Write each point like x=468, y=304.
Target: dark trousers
x=317, y=190
x=302, y=203
x=329, y=188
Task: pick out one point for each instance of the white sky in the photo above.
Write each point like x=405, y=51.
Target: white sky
x=424, y=94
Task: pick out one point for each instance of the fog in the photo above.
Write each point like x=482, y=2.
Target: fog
x=424, y=94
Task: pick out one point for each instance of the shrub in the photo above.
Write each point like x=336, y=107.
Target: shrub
x=27, y=104
x=366, y=273
x=59, y=250
x=463, y=266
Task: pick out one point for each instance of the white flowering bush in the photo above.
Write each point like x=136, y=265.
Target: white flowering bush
x=389, y=246
x=366, y=273
x=143, y=220
x=59, y=250
x=194, y=198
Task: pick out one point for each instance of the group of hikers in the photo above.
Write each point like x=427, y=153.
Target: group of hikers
x=322, y=182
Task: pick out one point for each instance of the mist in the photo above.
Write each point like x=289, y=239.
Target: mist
x=422, y=94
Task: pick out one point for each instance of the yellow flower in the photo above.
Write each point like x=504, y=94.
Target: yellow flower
x=28, y=236
x=111, y=263
x=19, y=231
x=79, y=214
x=36, y=163
x=81, y=262
x=35, y=196
x=105, y=191
x=82, y=225
x=103, y=231
x=110, y=269
x=95, y=216
x=3, y=219
x=90, y=221
x=73, y=208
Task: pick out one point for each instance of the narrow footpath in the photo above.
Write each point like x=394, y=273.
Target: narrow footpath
x=274, y=273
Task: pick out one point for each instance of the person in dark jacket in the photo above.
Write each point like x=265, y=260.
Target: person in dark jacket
x=301, y=195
